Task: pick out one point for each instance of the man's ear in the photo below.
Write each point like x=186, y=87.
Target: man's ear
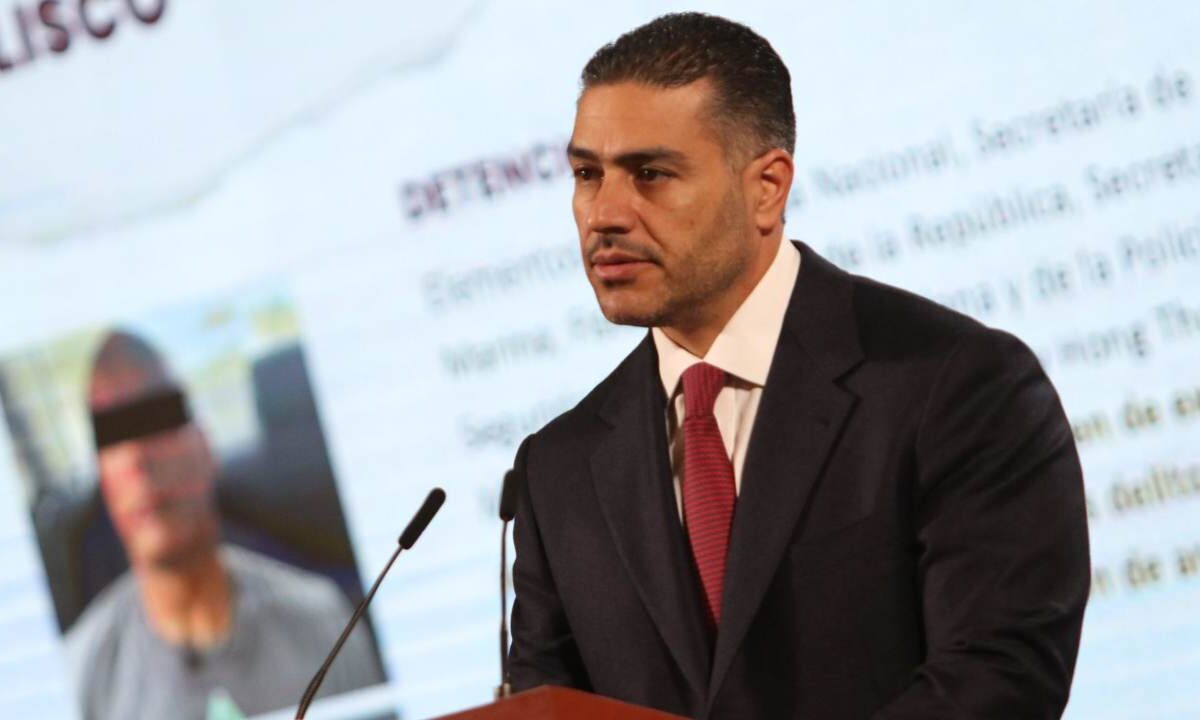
x=769, y=179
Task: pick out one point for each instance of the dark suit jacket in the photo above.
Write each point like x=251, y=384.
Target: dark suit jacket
x=909, y=541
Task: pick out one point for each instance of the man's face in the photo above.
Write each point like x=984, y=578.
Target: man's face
x=158, y=488
x=663, y=224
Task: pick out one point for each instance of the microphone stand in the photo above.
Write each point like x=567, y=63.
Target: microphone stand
x=504, y=689
x=508, y=510
x=416, y=526
x=311, y=691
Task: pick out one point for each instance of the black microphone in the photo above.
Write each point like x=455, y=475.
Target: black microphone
x=508, y=509
x=416, y=526
x=508, y=496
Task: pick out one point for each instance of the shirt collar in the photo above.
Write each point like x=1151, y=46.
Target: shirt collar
x=746, y=344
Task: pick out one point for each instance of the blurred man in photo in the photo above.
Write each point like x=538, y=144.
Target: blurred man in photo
x=194, y=624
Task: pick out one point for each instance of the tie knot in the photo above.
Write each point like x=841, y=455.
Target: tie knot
x=701, y=383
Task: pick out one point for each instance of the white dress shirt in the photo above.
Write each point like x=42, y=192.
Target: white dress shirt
x=743, y=349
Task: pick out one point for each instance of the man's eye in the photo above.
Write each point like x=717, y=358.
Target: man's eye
x=585, y=173
x=650, y=174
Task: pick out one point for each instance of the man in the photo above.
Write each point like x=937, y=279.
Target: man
x=193, y=625
x=805, y=494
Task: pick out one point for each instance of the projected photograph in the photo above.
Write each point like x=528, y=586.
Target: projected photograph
x=186, y=511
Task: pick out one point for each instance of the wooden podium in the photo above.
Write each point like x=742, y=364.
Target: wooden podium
x=552, y=703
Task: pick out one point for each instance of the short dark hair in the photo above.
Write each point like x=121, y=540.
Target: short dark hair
x=121, y=350
x=753, y=90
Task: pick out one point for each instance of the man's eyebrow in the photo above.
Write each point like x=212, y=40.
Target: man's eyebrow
x=631, y=158
x=575, y=151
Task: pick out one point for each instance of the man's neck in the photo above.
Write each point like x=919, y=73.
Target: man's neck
x=190, y=604
x=697, y=337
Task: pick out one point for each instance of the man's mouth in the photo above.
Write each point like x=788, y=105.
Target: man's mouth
x=617, y=265
x=162, y=508
x=163, y=503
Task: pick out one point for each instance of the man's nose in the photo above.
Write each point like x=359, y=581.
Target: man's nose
x=135, y=465
x=611, y=211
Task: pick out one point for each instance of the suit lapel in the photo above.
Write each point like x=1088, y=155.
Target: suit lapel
x=799, y=418
x=632, y=474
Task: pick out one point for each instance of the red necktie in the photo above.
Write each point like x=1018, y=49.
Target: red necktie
x=708, y=490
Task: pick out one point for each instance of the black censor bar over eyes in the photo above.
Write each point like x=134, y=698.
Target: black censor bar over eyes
x=148, y=415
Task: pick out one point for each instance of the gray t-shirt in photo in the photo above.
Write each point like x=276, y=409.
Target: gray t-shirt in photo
x=285, y=621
